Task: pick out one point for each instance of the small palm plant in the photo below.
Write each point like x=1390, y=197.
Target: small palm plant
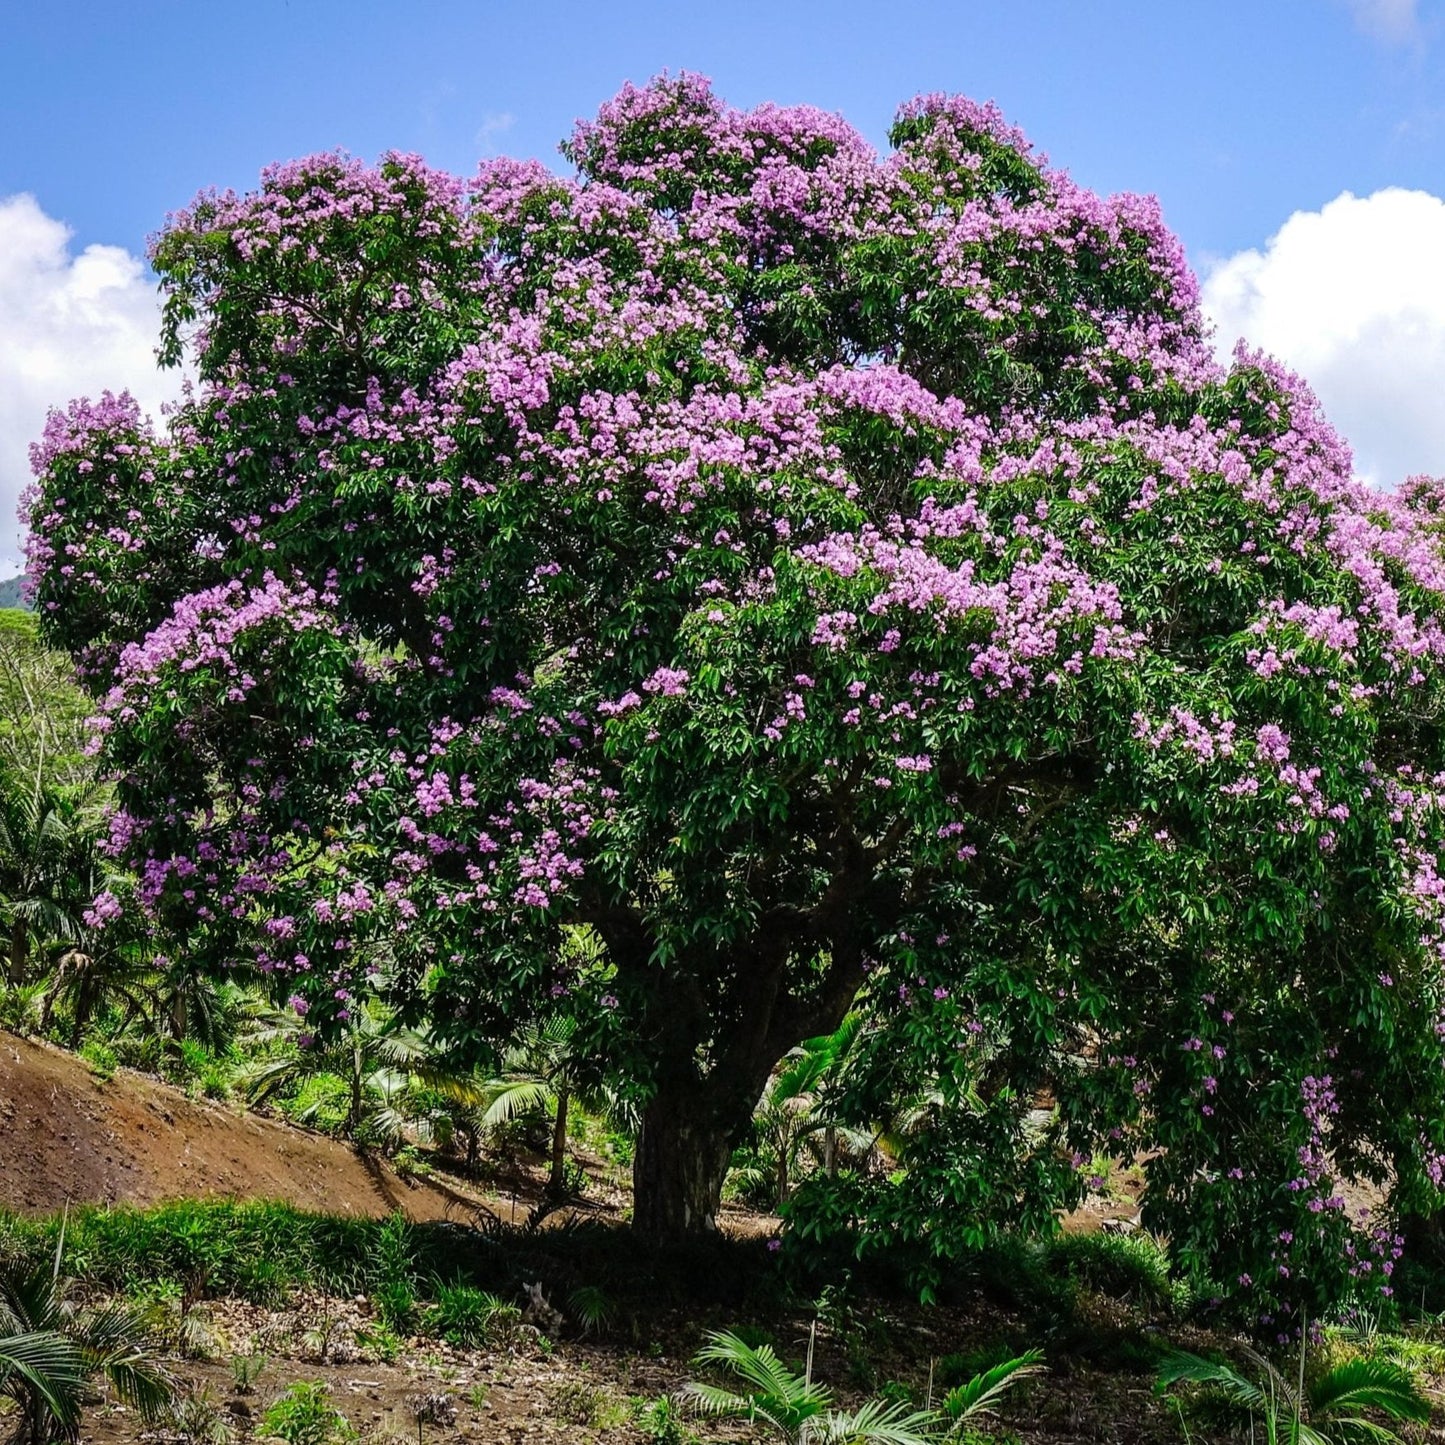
x=978, y=1396
x=792, y=1118
x=50, y=1349
x=1329, y=1410
x=794, y=1406
x=44, y=1374
x=538, y=1075
x=380, y=1061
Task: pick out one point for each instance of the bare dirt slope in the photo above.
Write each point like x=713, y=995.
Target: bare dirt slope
x=66, y=1137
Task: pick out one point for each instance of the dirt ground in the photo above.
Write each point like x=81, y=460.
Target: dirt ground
x=537, y=1391
x=67, y=1137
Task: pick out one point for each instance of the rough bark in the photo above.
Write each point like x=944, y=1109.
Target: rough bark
x=679, y=1166
x=695, y=1118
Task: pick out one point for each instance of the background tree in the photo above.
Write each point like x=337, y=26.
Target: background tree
x=804, y=569
x=42, y=712
x=50, y=807
x=378, y=1062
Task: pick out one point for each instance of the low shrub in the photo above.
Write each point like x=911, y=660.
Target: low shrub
x=304, y=1415
x=1133, y=1267
x=471, y=1318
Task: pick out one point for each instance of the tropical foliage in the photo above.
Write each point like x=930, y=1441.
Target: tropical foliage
x=51, y=1348
x=797, y=1409
x=800, y=1411
x=1336, y=1407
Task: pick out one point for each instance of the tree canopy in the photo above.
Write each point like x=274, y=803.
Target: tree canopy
x=808, y=575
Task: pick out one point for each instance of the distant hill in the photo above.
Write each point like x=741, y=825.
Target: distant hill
x=10, y=595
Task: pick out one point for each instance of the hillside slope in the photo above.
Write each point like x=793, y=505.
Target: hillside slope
x=66, y=1137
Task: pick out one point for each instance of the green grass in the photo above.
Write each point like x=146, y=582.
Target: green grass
x=255, y=1251
x=265, y=1252
x=470, y=1318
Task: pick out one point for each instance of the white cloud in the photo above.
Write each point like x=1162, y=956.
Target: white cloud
x=1393, y=22
x=494, y=124
x=1353, y=298
x=70, y=325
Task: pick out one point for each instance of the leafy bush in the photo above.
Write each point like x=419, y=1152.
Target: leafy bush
x=575, y=1402
x=101, y=1058
x=395, y=1304
x=411, y=1163
x=380, y=1340
x=304, y=1415
x=263, y=1281
x=20, y=1005
x=661, y=1422
x=320, y=1101
x=471, y=1318
x=198, y=1066
x=1123, y=1266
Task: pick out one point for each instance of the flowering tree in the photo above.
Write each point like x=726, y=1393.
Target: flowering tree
x=796, y=572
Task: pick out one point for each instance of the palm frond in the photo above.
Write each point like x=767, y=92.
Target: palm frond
x=877, y=1422
x=510, y=1097
x=402, y=1048
x=1368, y=1384
x=772, y=1392
x=34, y=1300
x=558, y=1031
x=984, y=1390
x=705, y=1399
x=48, y=1364
x=1195, y=1369
x=449, y=1082
x=115, y=1341
x=261, y=1078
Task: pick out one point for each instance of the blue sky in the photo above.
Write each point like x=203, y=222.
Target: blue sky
x=1238, y=115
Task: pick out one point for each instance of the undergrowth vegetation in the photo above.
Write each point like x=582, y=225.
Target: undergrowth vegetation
x=795, y=1357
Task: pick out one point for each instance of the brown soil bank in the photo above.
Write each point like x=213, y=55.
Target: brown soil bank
x=66, y=1137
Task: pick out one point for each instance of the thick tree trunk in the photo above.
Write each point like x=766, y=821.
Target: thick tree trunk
x=693, y=1121
x=679, y=1166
